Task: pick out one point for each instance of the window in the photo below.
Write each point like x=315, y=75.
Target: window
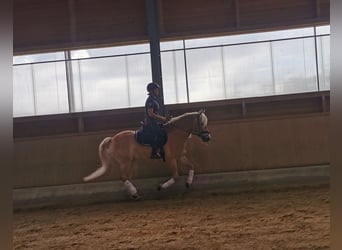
x=111, y=82
x=294, y=66
x=193, y=70
x=40, y=89
x=174, y=78
x=323, y=56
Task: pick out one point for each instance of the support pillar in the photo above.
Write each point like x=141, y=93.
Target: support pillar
x=154, y=38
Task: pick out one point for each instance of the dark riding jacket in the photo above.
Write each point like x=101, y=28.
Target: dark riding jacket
x=152, y=102
x=153, y=127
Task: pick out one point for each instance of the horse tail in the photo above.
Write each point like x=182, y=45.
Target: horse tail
x=103, y=150
x=104, y=157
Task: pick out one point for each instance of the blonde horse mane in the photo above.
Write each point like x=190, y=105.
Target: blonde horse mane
x=203, y=118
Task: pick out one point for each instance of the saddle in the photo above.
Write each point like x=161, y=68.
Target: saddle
x=144, y=136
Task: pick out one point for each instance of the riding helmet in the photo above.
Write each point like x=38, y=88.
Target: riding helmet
x=151, y=86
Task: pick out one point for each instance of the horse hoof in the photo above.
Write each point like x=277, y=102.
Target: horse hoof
x=187, y=185
x=135, y=197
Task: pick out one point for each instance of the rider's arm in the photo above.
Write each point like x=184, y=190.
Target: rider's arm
x=152, y=115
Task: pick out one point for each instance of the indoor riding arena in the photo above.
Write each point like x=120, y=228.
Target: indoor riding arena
x=255, y=77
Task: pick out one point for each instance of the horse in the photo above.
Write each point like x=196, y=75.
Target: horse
x=123, y=150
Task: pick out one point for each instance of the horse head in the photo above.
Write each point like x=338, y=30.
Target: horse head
x=193, y=123
x=201, y=128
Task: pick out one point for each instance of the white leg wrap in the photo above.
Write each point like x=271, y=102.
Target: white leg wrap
x=130, y=187
x=168, y=183
x=190, y=176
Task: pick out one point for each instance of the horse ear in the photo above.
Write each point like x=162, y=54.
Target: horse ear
x=202, y=111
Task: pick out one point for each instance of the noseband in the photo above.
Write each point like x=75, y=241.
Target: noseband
x=203, y=134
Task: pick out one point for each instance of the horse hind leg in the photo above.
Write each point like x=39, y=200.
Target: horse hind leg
x=172, y=180
x=132, y=190
x=190, y=178
x=126, y=177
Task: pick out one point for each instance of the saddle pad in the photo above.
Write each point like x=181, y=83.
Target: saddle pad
x=141, y=138
x=145, y=139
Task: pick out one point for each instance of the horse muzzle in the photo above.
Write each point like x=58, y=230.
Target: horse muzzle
x=205, y=136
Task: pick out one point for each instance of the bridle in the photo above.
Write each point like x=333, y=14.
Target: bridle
x=202, y=133
x=199, y=131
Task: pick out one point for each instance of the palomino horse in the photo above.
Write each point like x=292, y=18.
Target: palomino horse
x=123, y=150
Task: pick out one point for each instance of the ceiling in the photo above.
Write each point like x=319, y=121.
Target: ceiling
x=51, y=25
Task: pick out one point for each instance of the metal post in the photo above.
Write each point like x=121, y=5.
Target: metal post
x=33, y=90
x=70, y=84
x=154, y=37
x=316, y=58
x=272, y=68
x=68, y=64
x=127, y=80
x=186, y=73
x=223, y=73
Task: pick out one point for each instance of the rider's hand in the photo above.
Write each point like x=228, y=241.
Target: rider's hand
x=168, y=118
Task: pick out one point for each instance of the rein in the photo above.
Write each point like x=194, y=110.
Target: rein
x=199, y=132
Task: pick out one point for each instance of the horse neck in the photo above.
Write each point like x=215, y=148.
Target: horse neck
x=179, y=130
x=184, y=122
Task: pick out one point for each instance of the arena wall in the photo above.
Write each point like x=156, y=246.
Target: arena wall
x=259, y=135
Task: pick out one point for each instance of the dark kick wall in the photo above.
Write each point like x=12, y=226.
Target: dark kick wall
x=257, y=133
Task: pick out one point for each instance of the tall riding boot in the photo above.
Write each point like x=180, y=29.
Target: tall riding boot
x=154, y=154
x=162, y=153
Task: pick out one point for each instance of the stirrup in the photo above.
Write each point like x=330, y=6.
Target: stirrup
x=155, y=156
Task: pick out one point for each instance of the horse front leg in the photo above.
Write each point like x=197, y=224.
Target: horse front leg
x=190, y=165
x=175, y=175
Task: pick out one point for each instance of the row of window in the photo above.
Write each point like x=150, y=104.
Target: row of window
x=259, y=64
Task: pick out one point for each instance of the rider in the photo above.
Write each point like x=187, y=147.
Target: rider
x=153, y=118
